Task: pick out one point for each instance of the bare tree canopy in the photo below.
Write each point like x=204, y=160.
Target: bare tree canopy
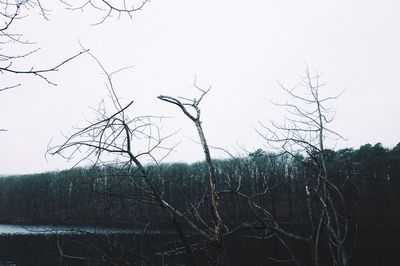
x=12, y=11
x=303, y=135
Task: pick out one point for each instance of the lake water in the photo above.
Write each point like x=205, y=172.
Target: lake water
x=23, y=245
x=10, y=229
x=37, y=245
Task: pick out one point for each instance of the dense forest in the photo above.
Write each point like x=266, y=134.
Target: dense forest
x=111, y=196
x=369, y=178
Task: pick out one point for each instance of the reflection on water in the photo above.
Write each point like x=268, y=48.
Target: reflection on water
x=10, y=229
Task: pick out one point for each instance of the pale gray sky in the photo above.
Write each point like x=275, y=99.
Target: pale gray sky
x=240, y=48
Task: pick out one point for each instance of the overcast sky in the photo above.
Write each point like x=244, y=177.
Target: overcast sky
x=240, y=48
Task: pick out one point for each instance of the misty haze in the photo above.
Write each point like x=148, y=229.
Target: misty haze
x=141, y=132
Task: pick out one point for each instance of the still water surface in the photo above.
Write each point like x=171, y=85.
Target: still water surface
x=10, y=229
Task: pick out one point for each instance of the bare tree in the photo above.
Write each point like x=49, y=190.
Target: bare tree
x=185, y=105
x=306, y=131
x=114, y=137
x=117, y=138
x=108, y=7
x=10, y=12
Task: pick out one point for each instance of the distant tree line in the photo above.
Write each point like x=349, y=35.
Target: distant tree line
x=111, y=196
x=104, y=196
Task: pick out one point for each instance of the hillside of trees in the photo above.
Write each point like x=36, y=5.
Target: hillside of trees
x=369, y=178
